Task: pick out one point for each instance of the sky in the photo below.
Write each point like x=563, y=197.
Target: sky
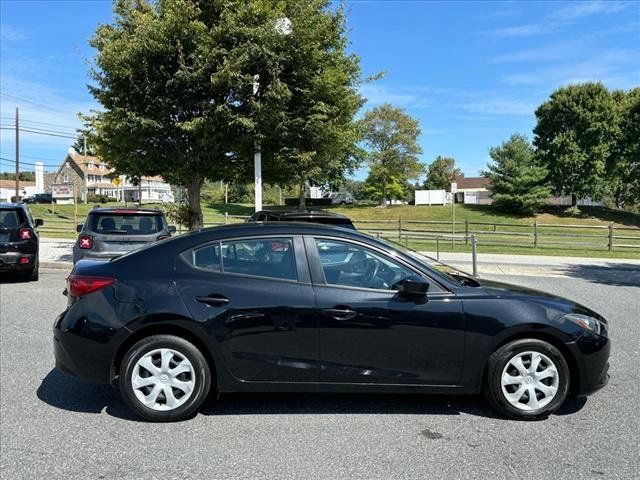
x=473, y=73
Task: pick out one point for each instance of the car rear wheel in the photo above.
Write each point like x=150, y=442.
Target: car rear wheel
x=527, y=379
x=164, y=378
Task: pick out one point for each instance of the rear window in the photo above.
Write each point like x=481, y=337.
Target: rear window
x=337, y=221
x=125, y=224
x=11, y=218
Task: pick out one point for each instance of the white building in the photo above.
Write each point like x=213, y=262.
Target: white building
x=8, y=189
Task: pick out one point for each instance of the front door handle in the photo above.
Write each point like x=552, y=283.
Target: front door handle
x=340, y=313
x=214, y=300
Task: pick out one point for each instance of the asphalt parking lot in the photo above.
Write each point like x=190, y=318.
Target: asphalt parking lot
x=56, y=427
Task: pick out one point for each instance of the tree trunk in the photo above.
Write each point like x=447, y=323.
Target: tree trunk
x=301, y=201
x=383, y=200
x=195, y=210
x=574, y=200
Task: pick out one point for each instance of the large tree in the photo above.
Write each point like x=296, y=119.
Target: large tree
x=518, y=182
x=189, y=88
x=391, y=141
x=441, y=173
x=623, y=166
x=574, y=137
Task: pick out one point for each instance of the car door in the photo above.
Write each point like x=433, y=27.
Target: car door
x=369, y=333
x=254, y=297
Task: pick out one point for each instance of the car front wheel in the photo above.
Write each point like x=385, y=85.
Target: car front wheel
x=164, y=378
x=527, y=379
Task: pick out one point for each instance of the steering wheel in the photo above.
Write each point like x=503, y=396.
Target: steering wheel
x=371, y=272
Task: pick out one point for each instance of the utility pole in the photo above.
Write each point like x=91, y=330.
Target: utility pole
x=17, y=156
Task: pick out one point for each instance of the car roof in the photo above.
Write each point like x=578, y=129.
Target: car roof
x=304, y=214
x=278, y=228
x=133, y=211
x=12, y=205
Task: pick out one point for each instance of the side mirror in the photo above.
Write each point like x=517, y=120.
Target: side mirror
x=172, y=229
x=413, y=287
x=79, y=228
x=39, y=222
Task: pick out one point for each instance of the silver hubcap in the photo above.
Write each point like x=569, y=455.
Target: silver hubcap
x=530, y=381
x=163, y=379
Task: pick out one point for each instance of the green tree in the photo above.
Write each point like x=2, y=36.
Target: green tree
x=391, y=139
x=518, y=183
x=83, y=144
x=441, y=173
x=574, y=137
x=177, y=82
x=623, y=166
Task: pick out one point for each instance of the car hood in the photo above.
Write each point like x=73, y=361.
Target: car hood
x=506, y=290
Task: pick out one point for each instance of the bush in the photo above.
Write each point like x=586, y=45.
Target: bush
x=100, y=199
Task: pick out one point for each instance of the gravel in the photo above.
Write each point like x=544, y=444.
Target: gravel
x=54, y=426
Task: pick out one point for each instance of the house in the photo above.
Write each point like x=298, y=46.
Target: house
x=92, y=176
x=8, y=189
x=473, y=190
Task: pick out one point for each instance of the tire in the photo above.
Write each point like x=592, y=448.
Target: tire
x=35, y=271
x=187, y=389
x=511, y=382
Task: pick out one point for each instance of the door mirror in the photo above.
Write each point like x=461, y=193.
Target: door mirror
x=39, y=222
x=79, y=228
x=172, y=229
x=413, y=287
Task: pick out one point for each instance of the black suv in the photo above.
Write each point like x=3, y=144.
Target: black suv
x=18, y=240
x=312, y=216
x=110, y=232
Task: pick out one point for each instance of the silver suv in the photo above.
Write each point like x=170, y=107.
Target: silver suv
x=339, y=198
x=110, y=232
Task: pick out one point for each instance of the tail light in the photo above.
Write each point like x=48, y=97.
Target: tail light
x=85, y=242
x=162, y=237
x=79, y=285
x=25, y=233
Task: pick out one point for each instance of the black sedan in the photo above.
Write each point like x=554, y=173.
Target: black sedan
x=303, y=307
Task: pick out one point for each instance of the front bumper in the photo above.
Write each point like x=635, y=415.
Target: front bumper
x=591, y=353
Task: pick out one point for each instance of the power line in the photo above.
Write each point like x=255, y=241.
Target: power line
x=27, y=130
x=39, y=106
x=33, y=158
x=12, y=162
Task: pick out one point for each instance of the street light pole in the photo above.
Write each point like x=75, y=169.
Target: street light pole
x=257, y=173
x=283, y=27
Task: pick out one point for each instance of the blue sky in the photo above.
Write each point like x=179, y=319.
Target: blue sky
x=472, y=72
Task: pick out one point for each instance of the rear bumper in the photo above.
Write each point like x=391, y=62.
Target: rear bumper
x=10, y=261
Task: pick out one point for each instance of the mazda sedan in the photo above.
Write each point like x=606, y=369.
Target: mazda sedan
x=262, y=307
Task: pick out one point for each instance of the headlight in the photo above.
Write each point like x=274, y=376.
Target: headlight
x=588, y=323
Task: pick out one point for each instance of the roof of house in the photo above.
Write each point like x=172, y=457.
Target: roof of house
x=90, y=165
x=12, y=183
x=472, y=182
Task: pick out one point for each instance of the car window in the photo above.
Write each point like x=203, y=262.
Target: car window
x=207, y=257
x=352, y=265
x=264, y=257
x=10, y=218
x=125, y=224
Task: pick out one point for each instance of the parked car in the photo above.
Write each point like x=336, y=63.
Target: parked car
x=339, y=198
x=304, y=307
x=314, y=216
x=40, y=198
x=19, y=241
x=110, y=232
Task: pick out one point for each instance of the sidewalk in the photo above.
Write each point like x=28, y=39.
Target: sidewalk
x=605, y=270
x=56, y=253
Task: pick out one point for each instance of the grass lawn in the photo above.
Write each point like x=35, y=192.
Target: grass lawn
x=518, y=229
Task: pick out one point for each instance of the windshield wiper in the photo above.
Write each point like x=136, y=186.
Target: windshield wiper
x=114, y=231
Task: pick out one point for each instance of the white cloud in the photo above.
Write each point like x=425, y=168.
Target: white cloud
x=576, y=10
x=500, y=106
x=377, y=94
x=523, y=30
x=610, y=66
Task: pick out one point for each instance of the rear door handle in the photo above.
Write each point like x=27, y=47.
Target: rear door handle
x=214, y=300
x=340, y=313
